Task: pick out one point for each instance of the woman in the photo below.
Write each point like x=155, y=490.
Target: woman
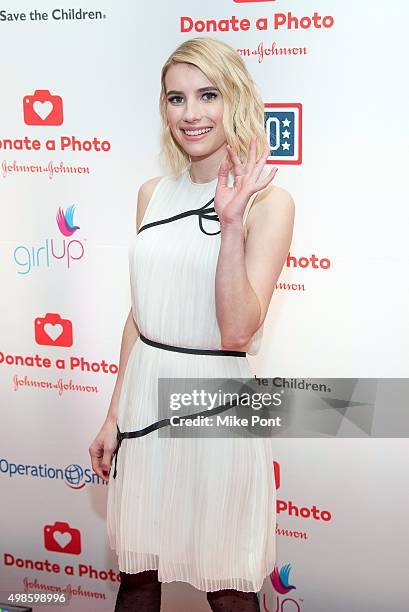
x=198, y=510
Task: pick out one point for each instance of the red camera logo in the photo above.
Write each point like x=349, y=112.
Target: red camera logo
x=52, y=330
x=60, y=537
x=42, y=108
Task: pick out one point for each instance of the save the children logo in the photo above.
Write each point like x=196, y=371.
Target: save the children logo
x=47, y=253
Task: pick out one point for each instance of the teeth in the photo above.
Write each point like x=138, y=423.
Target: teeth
x=196, y=132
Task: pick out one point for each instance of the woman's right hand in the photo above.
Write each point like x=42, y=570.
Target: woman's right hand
x=102, y=449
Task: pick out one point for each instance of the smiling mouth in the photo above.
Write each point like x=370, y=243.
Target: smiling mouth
x=197, y=132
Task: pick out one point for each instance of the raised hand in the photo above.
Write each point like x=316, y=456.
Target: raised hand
x=230, y=202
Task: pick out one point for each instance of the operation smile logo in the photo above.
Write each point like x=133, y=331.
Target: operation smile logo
x=45, y=255
x=74, y=475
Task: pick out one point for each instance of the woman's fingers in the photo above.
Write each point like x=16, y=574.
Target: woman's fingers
x=252, y=162
x=251, y=156
x=223, y=173
x=268, y=179
x=236, y=163
x=248, y=176
x=101, y=458
x=258, y=168
x=106, y=462
x=96, y=455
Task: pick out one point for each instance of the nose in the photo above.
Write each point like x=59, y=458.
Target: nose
x=192, y=111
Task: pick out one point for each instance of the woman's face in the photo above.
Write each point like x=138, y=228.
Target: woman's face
x=194, y=104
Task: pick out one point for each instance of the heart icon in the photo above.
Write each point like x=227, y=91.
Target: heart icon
x=43, y=109
x=62, y=538
x=53, y=330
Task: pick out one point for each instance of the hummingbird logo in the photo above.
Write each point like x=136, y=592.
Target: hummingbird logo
x=280, y=579
x=65, y=221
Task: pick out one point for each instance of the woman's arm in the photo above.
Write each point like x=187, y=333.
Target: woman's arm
x=131, y=331
x=129, y=337
x=102, y=448
x=248, y=267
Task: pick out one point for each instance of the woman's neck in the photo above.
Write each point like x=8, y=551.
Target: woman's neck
x=205, y=169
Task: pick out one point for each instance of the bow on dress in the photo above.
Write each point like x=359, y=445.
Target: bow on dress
x=207, y=211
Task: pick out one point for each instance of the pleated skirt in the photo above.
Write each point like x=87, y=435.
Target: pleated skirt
x=199, y=510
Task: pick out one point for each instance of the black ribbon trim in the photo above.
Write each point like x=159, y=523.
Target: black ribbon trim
x=121, y=435
x=203, y=213
x=182, y=349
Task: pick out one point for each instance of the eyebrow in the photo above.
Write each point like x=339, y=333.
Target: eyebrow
x=201, y=90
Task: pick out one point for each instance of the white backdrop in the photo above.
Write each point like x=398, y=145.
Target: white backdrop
x=345, y=317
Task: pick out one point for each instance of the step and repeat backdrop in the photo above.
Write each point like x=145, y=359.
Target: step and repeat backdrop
x=79, y=133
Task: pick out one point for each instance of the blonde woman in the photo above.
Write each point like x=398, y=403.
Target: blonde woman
x=212, y=238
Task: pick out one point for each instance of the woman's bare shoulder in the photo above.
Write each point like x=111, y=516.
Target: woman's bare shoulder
x=144, y=195
x=272, y=206
x=147, y=188
x=272, y=197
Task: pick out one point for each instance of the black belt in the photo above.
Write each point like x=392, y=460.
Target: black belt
x=162, y=423
x=181, y=349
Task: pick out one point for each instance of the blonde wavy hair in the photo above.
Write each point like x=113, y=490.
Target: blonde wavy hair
x=243, y=114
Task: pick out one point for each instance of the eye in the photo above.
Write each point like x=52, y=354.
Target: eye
x=210, y=93
x=173, y=99
x=179, y=99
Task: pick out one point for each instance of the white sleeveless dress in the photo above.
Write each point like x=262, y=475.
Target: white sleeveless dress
x=200, y=510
